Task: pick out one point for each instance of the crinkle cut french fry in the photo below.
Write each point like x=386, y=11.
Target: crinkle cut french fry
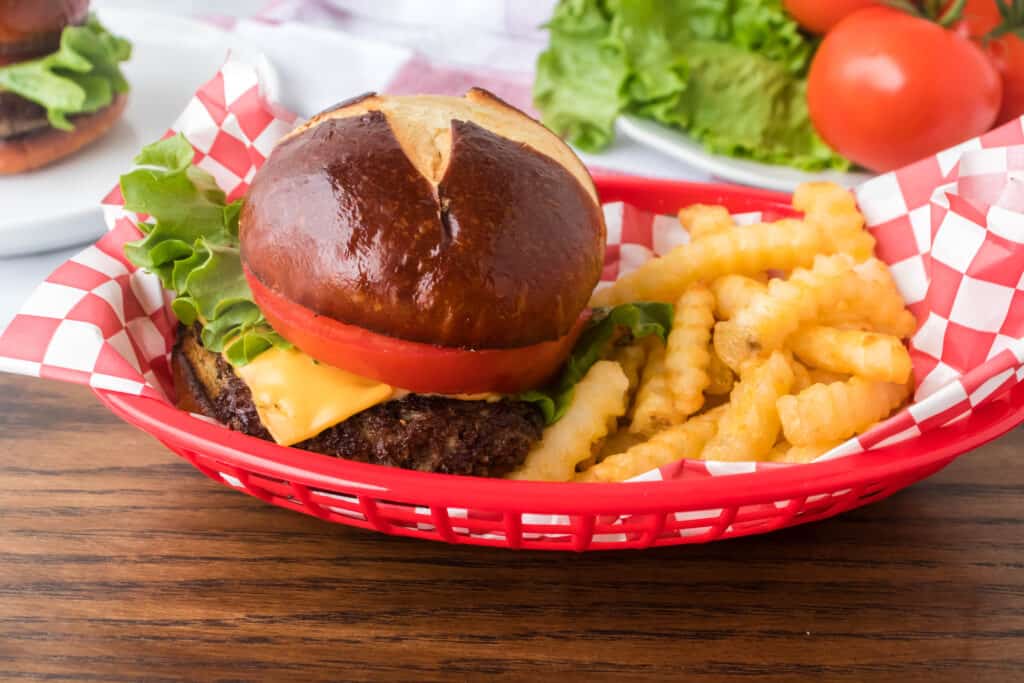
x=786, y=452
x=619, y=442
x=599, y=399
x=683, y=441
x=688, y=351
x=833, y=225
x=714, y=401
x=763, y=325
x=779, y=451
x=733, y=292
x=721, y=378
x=873, y=356
x=879, y=301
x=631, y=357
x=820, y=376
x=834, y=210
x=825, y=200
x=860, y=325
x=875, y=305
x=653, y=409
x=825, y=413
x=701, y=220
x=746, y=250
x=801, y=376
x=750, y=424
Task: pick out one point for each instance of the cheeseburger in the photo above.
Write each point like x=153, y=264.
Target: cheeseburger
x=60, y=83
x=405, y=268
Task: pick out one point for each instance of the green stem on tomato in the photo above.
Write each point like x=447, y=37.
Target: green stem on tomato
x=1013, y=21
x=932, y=10
x=906, y=6
x=952, y=14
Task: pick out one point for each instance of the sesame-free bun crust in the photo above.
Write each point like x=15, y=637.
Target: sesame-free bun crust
x=36, y=149
x=451, y=221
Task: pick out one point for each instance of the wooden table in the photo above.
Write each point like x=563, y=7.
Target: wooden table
x=119, y=562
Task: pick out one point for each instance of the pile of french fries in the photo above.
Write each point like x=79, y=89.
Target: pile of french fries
x=787, y=341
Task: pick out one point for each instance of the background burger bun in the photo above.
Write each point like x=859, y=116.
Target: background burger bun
x=37, y=149
x=30, y=28
x=451, y=221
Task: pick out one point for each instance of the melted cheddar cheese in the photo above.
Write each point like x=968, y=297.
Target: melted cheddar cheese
x=297, y=398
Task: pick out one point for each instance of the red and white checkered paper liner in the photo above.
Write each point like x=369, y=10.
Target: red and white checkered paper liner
x=951, y=227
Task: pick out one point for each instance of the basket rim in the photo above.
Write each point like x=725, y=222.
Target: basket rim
x=167, y=423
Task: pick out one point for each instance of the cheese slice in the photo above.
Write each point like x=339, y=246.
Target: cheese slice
x=488, y=396
x=297, y=398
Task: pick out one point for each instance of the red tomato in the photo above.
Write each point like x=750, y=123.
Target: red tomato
x=980, y=17
x=1008, y=54
x=421, y=368
x=818, y=16
x=886, y=88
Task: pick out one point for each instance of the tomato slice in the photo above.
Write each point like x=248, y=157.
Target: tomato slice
x=417, y=367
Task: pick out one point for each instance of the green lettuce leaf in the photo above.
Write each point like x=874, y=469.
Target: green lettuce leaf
x=639, y=319
x=192, y=245
x=744, y=105
x=578, y=85
x=81, y=77
x=764, y=28
x=729, y=72
x=656, y=71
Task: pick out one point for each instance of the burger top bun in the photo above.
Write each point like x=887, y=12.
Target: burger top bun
x=451, y=221
x=31, y=27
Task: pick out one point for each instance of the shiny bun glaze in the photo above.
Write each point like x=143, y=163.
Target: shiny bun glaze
x=451, y=221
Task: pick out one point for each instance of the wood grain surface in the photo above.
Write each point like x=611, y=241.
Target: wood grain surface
x=119, y=562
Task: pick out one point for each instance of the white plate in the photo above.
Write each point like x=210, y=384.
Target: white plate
x=682, y=147
x=172, y=56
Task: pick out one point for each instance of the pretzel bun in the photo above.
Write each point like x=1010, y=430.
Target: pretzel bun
x=452, y=221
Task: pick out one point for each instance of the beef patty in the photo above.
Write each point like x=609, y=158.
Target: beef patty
x=419, y=432
x=19, y=116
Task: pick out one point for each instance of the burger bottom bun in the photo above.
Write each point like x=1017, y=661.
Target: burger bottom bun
x=35, y=150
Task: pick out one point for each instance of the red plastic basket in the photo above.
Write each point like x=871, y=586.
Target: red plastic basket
x=567, y=516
